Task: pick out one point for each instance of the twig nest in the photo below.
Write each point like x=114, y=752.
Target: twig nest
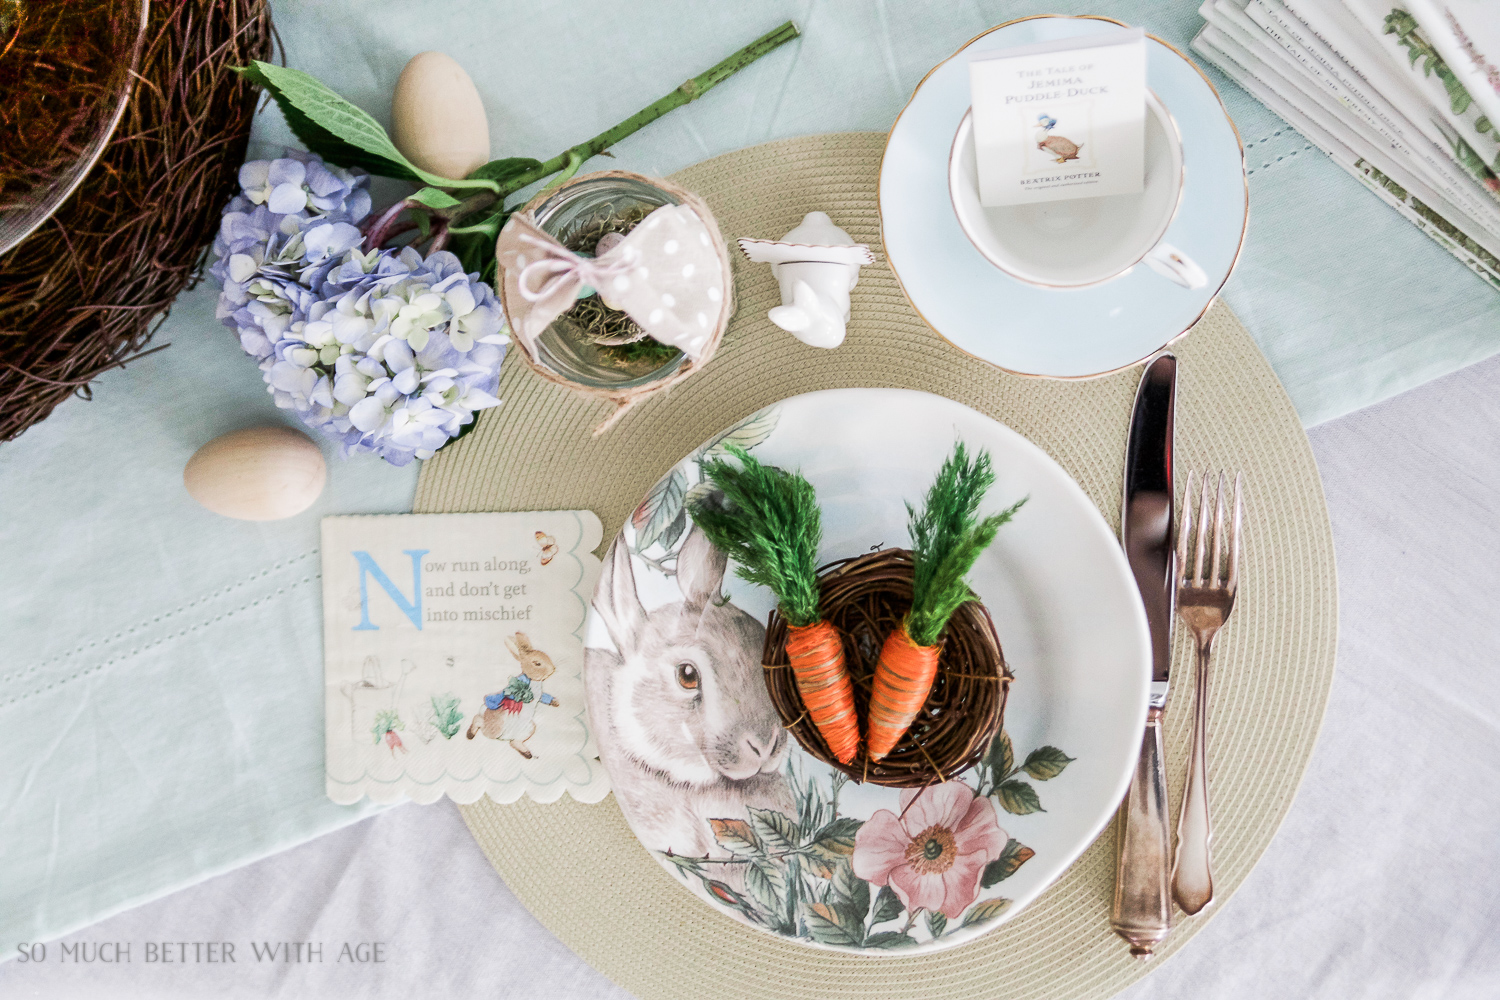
x=437, y=118
x=257, y=474
x=866, y=598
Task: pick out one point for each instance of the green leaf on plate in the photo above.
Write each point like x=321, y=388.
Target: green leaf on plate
x=838, y=837
x=660, y=508
x=1046, y=763
x=1014, y=856
x=767, y=884
x=825, y=926
x=853, y=889
x=778, y=833
x=340, y=131
x=736, y=837
x=984, y=911
x=1019, y=798
x=1000, y=757
x=936, y=923
x=889, y=939
x=887, y=905
x=746, y=434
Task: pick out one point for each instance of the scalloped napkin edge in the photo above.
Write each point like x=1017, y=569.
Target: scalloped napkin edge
x=453, y=656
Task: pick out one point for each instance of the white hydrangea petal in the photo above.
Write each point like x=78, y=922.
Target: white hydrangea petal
x=368, y=414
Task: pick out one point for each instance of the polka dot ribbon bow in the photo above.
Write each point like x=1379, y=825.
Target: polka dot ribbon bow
x=664, y=274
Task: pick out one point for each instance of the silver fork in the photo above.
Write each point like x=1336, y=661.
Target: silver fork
x=1204, y=602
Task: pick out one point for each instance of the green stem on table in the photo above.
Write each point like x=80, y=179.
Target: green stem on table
x=689, y=91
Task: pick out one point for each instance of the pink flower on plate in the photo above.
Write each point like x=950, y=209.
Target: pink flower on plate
x=934, y=853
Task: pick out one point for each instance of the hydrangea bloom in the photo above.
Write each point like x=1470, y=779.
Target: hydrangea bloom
x=384, y=350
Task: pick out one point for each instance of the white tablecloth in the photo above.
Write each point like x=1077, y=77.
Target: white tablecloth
x=1382, y=883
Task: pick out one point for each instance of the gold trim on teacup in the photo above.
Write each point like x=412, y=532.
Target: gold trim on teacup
x=1244, y=224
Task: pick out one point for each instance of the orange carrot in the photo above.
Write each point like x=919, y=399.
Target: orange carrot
x=817, y=658
x=947, y=536
x=768, y=521
x=903, y=676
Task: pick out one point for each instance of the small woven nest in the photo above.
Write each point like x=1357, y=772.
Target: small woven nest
x=866, y=598
x=84, y=293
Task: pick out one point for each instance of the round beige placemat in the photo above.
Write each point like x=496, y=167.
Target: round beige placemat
x=579, y=868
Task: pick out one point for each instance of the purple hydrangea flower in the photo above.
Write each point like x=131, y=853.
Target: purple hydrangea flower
x=385, y=350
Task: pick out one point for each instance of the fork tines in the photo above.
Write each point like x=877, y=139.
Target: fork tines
x=1218, y=543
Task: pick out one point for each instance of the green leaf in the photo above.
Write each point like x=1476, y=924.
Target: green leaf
x=501, y=171
x=936, y=923
x=1014, y=856
x=984, y=911
x=433, y=198
x=767, y=884
x=1046, y=763
x=823, y=923
x=1019, y=798
x=340, y=131
x=838, y=837
x=1001, y=756
x=853, y=889
x=778, y=833
x=674, y=530
x=736, y=837
x=889, y=939
x=746, y=434
x=887, y=905
x=660, y=508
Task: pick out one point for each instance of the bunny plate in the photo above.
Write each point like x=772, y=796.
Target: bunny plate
x=717, y=791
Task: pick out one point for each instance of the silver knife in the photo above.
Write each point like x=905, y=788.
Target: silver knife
x=1142, y=910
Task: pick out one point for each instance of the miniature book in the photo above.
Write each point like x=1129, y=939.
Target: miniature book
x=453, y=656
x=1062, y=119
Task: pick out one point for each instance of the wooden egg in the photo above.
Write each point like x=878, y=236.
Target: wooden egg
x=257, y=474
x=437, y=119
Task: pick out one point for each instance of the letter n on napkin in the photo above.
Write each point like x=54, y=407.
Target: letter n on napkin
x=453, y=656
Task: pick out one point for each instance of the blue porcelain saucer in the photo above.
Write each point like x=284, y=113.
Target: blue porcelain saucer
x=1057, y=333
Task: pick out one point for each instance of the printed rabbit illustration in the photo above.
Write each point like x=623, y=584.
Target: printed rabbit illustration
x=680, y=710
x=510, y=714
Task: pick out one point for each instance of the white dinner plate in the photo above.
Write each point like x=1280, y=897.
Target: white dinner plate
x=1057, y=332
x=712, y=783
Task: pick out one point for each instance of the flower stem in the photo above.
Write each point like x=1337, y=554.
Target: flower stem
x=689, y=91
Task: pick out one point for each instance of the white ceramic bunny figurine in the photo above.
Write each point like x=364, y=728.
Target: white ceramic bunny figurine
x=817, y=265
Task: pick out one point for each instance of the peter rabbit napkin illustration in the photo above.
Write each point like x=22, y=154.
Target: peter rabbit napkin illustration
x=453, y=656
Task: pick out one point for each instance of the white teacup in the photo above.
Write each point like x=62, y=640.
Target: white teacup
x=1080, y=241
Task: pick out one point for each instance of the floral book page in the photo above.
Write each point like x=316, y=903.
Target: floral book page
x=453, y=656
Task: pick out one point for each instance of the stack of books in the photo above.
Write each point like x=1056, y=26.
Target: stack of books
x=1401, y=95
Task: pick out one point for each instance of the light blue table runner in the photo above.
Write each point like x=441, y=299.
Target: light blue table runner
x=160, y=680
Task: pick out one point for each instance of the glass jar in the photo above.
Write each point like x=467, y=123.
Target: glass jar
x=563, y=348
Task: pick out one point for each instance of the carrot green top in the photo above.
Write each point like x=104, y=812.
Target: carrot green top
x=947, y=537
x=768, y=521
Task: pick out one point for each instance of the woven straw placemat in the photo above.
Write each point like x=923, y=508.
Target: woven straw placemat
x=579, y=868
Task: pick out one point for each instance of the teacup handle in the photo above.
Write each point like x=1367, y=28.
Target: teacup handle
x=1170, y=262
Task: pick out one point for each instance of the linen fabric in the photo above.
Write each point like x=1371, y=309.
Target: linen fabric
x=160, y=685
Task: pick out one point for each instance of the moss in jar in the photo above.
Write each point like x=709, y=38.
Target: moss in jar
x=616, y=337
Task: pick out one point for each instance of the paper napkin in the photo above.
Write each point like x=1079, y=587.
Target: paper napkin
x=453, y=656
